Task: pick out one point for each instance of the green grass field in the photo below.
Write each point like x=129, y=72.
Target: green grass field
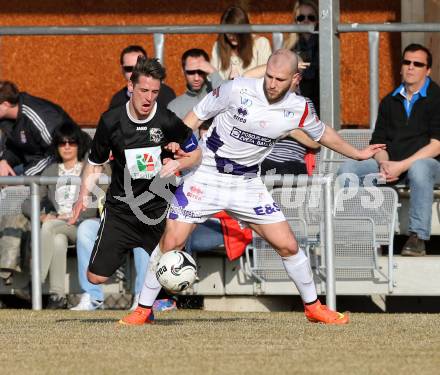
x=199, y=342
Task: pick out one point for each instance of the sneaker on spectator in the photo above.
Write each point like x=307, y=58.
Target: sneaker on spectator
x=135, y=302
x=166, y=304
x=56, y=302
x=24, y=293
x=414, y=247
x=86, y=303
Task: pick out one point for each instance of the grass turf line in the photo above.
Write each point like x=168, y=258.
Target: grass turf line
x=199, y=342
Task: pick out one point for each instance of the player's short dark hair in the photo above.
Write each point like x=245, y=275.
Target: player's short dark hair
x=8, y=92
x=414, y=47
x=71, y=132
x=147, y=67
x=194, y=52
x=130, y=49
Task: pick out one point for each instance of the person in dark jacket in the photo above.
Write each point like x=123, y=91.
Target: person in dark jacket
x=28, y=123
x=128, y=60
x=408, y=123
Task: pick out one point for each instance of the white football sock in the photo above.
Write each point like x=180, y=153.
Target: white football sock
x=151, y=287
x=299, y=271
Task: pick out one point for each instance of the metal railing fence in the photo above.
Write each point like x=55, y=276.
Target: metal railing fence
x=271, y=180
x=34, y=182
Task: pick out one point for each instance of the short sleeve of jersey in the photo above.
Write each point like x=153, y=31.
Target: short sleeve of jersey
x=100, y=150
x=175, y=129
x=310, y=122
x=215, y=102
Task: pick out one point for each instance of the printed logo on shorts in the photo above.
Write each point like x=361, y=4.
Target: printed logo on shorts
x=267, y=209
x=156, y=135
x=195, y=192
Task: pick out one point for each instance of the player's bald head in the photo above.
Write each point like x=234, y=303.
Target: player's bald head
x=284, y=59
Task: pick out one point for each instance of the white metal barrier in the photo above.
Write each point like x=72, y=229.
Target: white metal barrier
x=270, y=181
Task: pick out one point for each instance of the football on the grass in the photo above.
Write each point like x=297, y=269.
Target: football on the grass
x=176, y=271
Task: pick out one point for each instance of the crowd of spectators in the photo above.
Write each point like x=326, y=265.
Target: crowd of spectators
x=39, y=138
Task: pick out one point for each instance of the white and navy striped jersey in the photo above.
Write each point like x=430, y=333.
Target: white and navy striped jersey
x=246, y=126
x=287, y=149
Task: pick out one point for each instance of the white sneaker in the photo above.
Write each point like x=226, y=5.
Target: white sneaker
x=135, y=302
x=86, y=303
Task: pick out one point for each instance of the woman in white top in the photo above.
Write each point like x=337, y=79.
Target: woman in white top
x=70, y=148
x=234, y=54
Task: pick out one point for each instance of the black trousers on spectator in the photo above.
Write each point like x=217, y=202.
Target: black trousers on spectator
x=285, y=167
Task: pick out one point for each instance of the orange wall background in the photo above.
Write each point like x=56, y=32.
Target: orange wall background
x=82, y=72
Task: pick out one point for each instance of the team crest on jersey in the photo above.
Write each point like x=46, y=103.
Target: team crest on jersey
x=245, y=102
x=263, y=124
x=288, y=114
x=216, y=92
x=156, y=135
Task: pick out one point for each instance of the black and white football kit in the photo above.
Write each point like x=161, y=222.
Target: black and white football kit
x=137, y=150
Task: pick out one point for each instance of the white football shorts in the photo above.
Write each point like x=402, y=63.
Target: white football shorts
x=204, y=193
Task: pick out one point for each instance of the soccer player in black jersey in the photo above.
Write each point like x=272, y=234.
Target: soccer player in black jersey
x=136, y=134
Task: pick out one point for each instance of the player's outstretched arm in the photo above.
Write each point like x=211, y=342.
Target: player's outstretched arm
x=192, y=121
x=89, y=179
x=302, y=137
x=333, y=140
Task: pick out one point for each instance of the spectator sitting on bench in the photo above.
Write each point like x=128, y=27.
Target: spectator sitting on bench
x=71, y=146
x=408, y=123
x=29, y=124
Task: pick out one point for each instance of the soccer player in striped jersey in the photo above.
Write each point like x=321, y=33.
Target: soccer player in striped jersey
x=250, y=115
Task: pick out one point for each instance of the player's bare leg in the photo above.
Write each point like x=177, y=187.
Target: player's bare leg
x=297, y=265
x=173, y=238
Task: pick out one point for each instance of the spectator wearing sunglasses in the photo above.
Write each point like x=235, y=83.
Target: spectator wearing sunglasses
x=70, y=146
x=28, y=123
x=201, y=77
x=234, y=54
x=305, y=12
x=128, y=60
x=408, y=123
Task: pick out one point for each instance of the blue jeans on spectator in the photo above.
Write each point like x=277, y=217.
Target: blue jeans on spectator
x=421, y=178
x=86, y=236
x=141, y=258
x=207, y=236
